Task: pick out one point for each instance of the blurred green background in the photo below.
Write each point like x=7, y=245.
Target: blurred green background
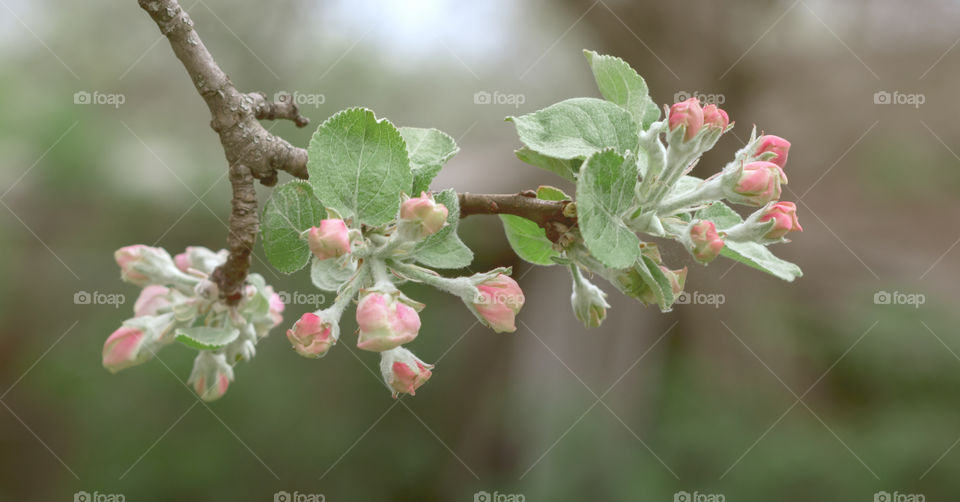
x=816, y=390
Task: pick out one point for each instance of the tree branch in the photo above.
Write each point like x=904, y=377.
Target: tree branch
x=253, y=153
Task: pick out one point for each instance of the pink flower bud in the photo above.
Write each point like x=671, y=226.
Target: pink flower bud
x=784, y=215
x=775, y=144
x=424, y=211
x=403, y=372
x=311, y=336
x=706, y=242
x=122, y=349
x=211, y=375
x=151, y=300
x=276, y=308
x=127, y=258
x=500, y=300
x=329, y=240
x=760, y=183
x=385, y=322
x=182, y=261
x=715, y=117
x=689, y=114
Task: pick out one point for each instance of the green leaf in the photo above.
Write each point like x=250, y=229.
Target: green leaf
x=621, y=84
x=444, y=249
x=206, y=338
x=657, y=281
x=429, y=149
x=292, y=208
x=330, y=274
x=578, y=127
x=359, y=166
x=566, y=169
x=749, y=253
x=604, y=193
x=528, y=240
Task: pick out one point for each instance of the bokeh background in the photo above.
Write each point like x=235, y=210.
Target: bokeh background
x=816, y=390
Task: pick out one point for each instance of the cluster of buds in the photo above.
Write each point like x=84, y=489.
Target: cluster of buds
x=367, y=265
x=178, y=301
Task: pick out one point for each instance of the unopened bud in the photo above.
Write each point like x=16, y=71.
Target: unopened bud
x=423, y=216
x=311, y=336
x=385, y=322
x=688, y=114
x=500, y=301
x=784, y=215
x=402, y=371
x=329, y=240
x=706, y=244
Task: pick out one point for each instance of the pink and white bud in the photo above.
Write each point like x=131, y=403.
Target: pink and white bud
x=759, y=183
x=784, y=215
x=402, y=371
x=122, y=349
x=589, y=302
x=211, y=375
x=330, y=240
x=128, y=257
x=276, y=307
x=774, y=144
x=311, y=336
x=706, y=243
x=426, y=214
x=152, y=298
x=182, y=261
x=500, y=301
x=715, y=117
x=688, y=114
x=385, y=322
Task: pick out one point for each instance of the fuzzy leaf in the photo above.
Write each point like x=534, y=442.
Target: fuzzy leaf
x=292, y=208
x=605, y=192
x=528, y=239
x=621, y=84
x=566, y=169
x=359, y=166
x=429, y=149
x=444, y=249
x=206, y=338
x=577, y=128
x=330, y=274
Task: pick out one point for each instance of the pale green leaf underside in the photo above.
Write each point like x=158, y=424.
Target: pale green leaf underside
x=206, y=338
x=330, y=274
x=444, y=249
x=604, y=193
x=621, y=84
x=359, y=166
x=566, y=169
x=291, y=209
x=576, y=128
x=749, y=253
x=428, y=149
